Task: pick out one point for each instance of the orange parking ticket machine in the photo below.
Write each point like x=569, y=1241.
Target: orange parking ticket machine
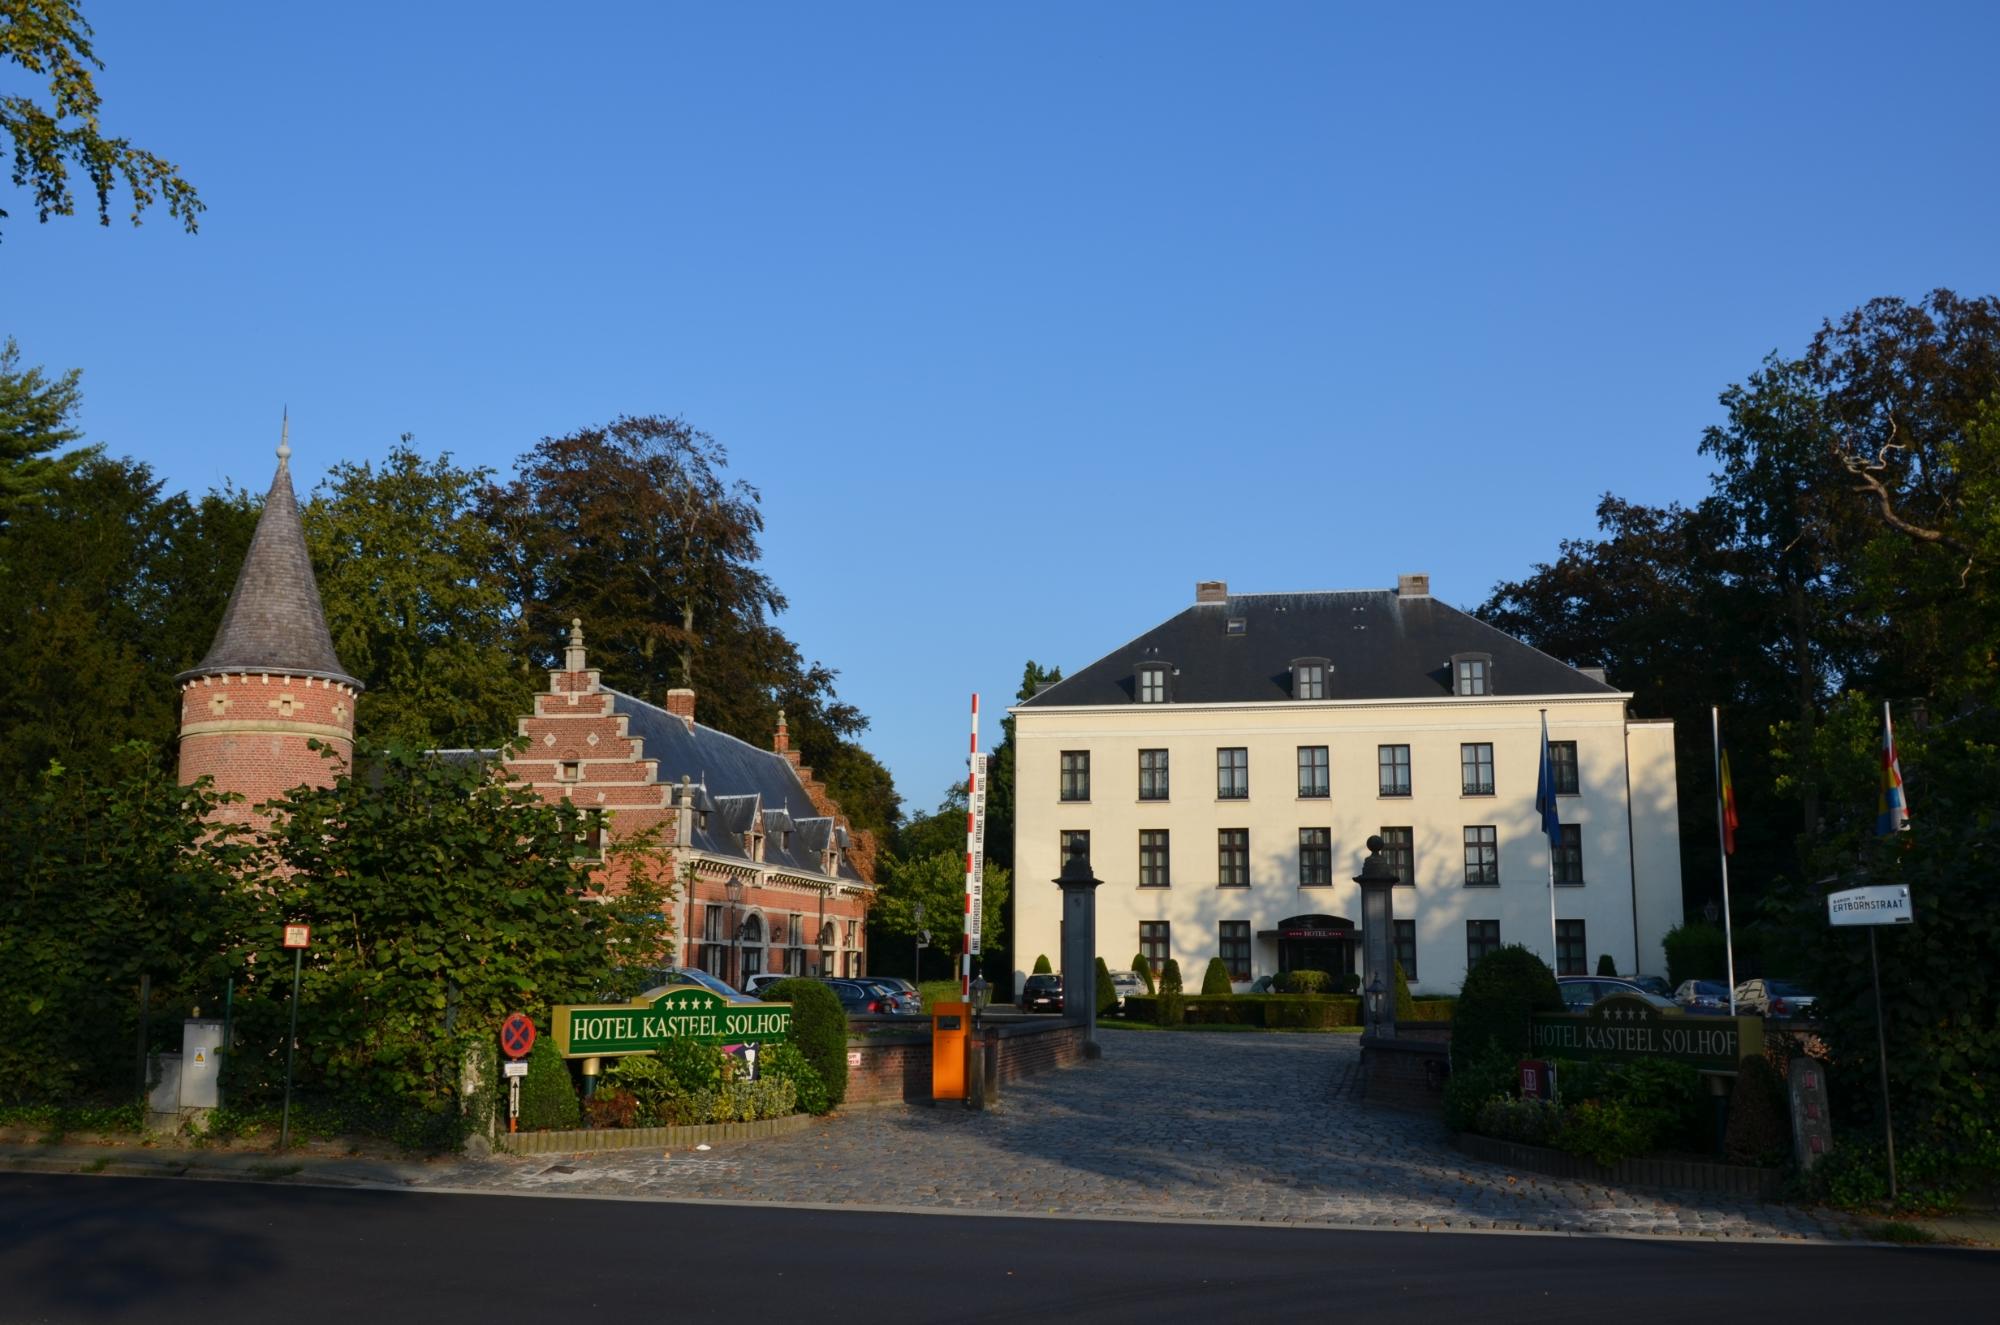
x=950, y=1024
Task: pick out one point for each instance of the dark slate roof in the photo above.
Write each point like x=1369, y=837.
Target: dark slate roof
x=274, y=622
x=733, y=780
x=1381, y=645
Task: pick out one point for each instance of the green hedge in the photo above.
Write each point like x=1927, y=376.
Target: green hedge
x=1438, y=1008
x=1271, y=1011
x=819, y=1029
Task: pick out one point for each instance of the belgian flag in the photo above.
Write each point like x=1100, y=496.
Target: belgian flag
x=1728, y=807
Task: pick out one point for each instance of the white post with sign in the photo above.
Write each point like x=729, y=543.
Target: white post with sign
x=975, y=854
x=1872, y=907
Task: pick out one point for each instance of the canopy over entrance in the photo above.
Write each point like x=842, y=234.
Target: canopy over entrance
x=1314, y=943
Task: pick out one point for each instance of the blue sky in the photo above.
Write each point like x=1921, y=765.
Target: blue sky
x=1023, y=318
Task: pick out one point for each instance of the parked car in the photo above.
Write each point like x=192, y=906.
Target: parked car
x=857, y=998
x=1772, y=998
x=757, y=984
x=688, y=975
x=1703, y=998
x=1581, y=992
x=1652, y=984
x=1042, y=993
x=1127, y=984
x=898, y=999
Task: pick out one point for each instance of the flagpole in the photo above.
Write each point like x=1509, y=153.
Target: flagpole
x=1722, y=852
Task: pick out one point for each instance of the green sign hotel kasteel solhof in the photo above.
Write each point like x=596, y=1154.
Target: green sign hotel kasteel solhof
x=1621, y=1029
x=677, y=1012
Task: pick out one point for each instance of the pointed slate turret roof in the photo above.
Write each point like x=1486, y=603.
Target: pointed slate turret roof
x=274, y=621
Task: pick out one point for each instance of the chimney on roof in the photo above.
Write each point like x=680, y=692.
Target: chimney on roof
x=1594, y=673
x=680, y=703
x=1413, y=586
x=1211, y=591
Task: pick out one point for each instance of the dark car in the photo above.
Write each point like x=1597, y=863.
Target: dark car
x=857, y=998
x=1773, y=998
x=1703, y=998
x=1042, y=993
x=1581, y=992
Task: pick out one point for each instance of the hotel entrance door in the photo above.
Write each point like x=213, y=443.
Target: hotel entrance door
x=1316, y=943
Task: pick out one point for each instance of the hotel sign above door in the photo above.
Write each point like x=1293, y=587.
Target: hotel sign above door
x=1621, y=1029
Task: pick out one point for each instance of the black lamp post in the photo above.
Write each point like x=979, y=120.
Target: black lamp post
x=1376, y=994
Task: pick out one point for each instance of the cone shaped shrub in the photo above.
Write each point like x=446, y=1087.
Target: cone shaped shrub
x=548, y=1099
x=1605, y=966
x=1170, y=977
x=1144, y=970
x=1501, y=992
x=1042, y=966
x=1215, y=980
x=1107, y=993
x=819, y=1029
x=1406, y=1007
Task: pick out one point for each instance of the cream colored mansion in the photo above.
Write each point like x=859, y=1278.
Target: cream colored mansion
x=1224, y=771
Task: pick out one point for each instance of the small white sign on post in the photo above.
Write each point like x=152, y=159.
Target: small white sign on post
x=517, y=1068
x=1876, y=904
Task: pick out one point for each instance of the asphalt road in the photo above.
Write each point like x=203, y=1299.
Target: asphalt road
x=164, y=1252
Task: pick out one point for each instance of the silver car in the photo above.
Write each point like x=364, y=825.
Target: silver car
x=1127, y=984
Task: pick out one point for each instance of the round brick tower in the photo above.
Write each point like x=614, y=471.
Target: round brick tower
x=270, y=683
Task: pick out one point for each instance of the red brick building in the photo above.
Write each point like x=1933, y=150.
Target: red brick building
x=770, y=877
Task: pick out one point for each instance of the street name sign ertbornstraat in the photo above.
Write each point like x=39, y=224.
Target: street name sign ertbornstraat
x=675, y=1012
x=1876, y=904
x=1622, y=1029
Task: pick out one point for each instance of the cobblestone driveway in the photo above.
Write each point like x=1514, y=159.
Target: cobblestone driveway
x=1190, y=1126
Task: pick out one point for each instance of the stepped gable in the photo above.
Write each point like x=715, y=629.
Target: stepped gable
x=757, y=780
x=274, y=623
x=1381, y=644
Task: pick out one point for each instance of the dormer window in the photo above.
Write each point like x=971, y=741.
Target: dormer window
x=1471, y=674
x=1309, y=678
x=1152, y=683
x=1236, y=625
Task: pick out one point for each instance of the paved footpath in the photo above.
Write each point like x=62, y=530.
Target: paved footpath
x=1242, y=1127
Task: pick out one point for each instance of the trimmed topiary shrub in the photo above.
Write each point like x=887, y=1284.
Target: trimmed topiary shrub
x=1042, y=966
x=548, y=1098
x=1432, y=1008
x=1499, y=995
x=819, y=1029
x=1215, y=980
x=1170, y=977
x=1142, y=1007
x=1144, y=970
x=1107, y=993
x=1170, y=1009
x=1304, y=982
x=1605, y=966
x=1760, y=1128
x=1406, y=1007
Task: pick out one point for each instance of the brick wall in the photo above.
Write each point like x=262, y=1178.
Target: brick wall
x=248, y=732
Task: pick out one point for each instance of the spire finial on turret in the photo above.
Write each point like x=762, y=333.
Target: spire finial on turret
x=285, y=436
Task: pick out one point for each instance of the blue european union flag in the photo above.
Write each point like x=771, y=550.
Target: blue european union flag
x=1545, y=794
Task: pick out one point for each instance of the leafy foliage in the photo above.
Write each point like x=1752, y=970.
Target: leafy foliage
x=1696, y=950
x=548, y=1097
x=104, y=879
x=36, y=421
x=1042, y=966
x=1500, y=993
x=1170, y=977
x=1214, y=979
x=1406, y=1007
x=1303, y=982
x=1144, y=970
x=819, y=1030
x=1606, y=965
x=441, y=900
x=784, y=1061
x=51, y=40
x=406, y=571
